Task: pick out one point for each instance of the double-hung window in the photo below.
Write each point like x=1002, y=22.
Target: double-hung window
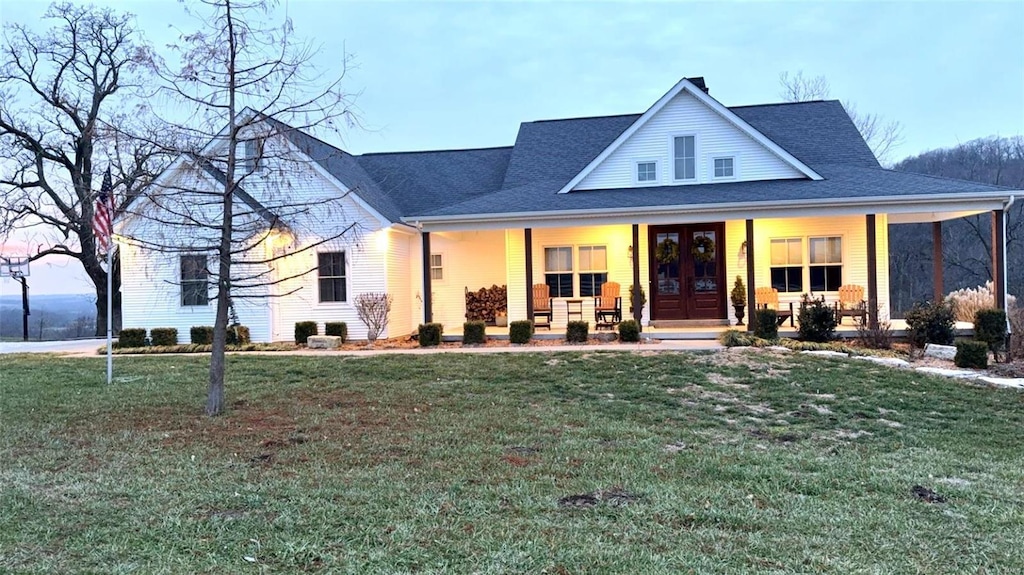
x=684, y=153
x=787, y=264
x=593, y=269
x=436, y=267
x=331, y=275
x=195, y=280
x=558, y=271
x=826, y=263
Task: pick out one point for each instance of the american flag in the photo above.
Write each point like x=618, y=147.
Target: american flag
x=103, y=215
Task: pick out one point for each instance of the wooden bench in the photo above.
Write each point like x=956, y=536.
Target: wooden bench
x=851, y=304
x=768, y=298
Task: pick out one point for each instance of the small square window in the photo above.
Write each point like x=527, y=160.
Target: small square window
x=646, y=172
x=436, y=267
x=724, y=168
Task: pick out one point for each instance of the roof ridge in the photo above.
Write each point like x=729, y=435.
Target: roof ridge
x=934, y=177
x=784, y=103
x=583, y=118
x=449, y=150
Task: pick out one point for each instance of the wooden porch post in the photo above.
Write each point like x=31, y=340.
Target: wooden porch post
x=428, y=314
x=635, y=303
x=528, y=246
x=999, y=259
x=872, y=272
x=751, y=301
x=937, y=275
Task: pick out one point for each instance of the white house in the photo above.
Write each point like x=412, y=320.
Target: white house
x=784, y=195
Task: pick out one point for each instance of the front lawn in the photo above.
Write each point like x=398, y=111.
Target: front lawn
x=742, y=461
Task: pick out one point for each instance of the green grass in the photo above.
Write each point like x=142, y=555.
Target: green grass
x=455, y=463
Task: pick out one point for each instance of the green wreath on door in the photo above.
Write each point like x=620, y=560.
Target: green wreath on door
x=703, y=249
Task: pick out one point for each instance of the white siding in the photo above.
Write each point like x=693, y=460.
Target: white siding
x=715, y=137
x=400, y=284
x=471, y=260
x=853, y=230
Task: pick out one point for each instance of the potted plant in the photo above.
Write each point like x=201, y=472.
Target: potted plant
x=501, y=319
x=739, y=299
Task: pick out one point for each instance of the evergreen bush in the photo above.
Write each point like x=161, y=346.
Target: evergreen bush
x=766, y=324
x=430, y=334
x=990, y=328
x=162, y=336
x=474, y=332
x=629, y=331
x=132, y=337
x=337, y=328
x=930, y=323
x=577, y=332
x=304, y=329
x=520, y=331
x=971, y=354
x=817, y=320
x=201, y=334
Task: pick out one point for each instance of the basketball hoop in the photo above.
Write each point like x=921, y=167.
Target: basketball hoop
x=15, y=267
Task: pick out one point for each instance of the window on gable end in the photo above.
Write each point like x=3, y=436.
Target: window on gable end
x=725, y=167
x=646, y=172
x=684, y=154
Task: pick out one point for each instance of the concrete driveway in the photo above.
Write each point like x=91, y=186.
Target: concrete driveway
x=77, y=346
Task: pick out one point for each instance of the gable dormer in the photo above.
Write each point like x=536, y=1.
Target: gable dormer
x=687, y=137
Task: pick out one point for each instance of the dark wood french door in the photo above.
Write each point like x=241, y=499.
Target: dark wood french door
x=687, y=265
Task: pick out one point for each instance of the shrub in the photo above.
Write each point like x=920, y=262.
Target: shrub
x=201, y=334
x=736, y=338
x=520, y=331
x=629, y=331
x=132, y=337
x=430, y=334
x=968, y=302
x=971, y=354
x=643, y=297
x=374, y=310
x=738, y=295
x=304, y=329
x=237, y=335
x=162, y=336
x=930, y=323
x=817, y=320
x=766, y=324
x=877, y=337
x=1017, y=339
x=337, y=328
x=577, y=331
x=474, y=332
x=990, y=328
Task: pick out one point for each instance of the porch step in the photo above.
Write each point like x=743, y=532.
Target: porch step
x=684, y=323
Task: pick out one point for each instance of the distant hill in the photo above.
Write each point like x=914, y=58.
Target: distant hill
x=52, y=316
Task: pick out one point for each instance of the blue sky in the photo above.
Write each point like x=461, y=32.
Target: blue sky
x=462, y=75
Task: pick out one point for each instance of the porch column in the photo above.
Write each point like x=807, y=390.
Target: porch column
x=428, y=314
x=937, y=277
x=751, y=301
x=528, y=246
x=999, y=258
x=635, y=301
x=872, y=272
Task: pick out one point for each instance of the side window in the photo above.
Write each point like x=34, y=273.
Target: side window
x=787, y=268
x=195, y=281
x=593, y=269
x=331, y=276
x=558, y=271
x=436, y=267
x=826, y=263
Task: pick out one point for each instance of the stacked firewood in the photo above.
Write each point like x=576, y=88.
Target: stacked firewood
x=486, y=303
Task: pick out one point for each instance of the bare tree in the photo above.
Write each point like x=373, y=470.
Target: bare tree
x=881, y=135
x=242, y=177
x=58, y=91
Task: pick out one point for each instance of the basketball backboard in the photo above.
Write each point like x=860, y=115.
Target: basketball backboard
x=14, y=267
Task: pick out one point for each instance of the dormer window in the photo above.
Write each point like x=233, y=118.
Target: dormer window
x=684, y=153
x=248, y=154
x=725, y=167
x=646, y=172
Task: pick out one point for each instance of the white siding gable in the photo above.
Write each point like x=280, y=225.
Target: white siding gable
x=716, y=137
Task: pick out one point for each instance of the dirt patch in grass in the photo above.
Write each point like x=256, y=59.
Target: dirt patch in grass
x=927, y=495
x=614, y=497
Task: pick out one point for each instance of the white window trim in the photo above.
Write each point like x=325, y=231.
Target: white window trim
x=181, y=283
x=347, y=276
x=842, y=264
x=578, y=287
x=735, y=168
x=672, y=158
x=804, y=273
x=443, y=266
x=574, y=270
x=657, y=172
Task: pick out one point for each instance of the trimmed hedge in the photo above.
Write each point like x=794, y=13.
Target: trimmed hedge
x=766, y=324
x=817, y=320
x=577, y=331
x=304, y=329
x=430, y=334
x=474, y=333
x=990, y=328
x=163, y=336
x=971, y=354
x=629, y=331
x=931, y=323
x=237, y=335
x=201, y=334
x=520, y=331
x=337, y=328
x=132, y=337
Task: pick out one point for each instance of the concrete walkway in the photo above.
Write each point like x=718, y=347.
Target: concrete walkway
x=74, y=346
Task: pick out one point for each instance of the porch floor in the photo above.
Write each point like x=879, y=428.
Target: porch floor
x=846, y=330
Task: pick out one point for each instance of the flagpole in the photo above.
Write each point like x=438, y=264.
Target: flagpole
x=110, y=314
